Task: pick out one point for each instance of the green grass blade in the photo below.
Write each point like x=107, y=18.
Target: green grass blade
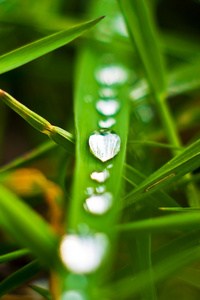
x=29, y=157
x=134, y=177
x=58, y=135
x=154, y=144
x=130, y=287
x=19, y=277
x=143, y=244
x=185, y=79
x=143, y=34
x=191, y=276
x=13, y=255
x=186, y=221
x=44, y=293
x=28, y=228
x=180, y=165
x=23, y=55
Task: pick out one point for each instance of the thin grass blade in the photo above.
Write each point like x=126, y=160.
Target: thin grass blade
x=28, y=228
x=19, y=277
x=142, y=32
x=180, y=165
x=13, y=255
x=23, y=55
x=58, y=135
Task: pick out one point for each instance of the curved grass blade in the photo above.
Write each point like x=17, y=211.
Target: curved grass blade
x=184, y=79
x=23, y=55
x=191, y=276
x=45, y=293
x=135, y=177
x=131, y=286
x=13, y=255
x=19, y=277
x=187, y=221
x=28, y=228
x=180, y=165
x=29, y=157
x=58, y=135
x=142, y=32
x=143, y=243
x=155, y=144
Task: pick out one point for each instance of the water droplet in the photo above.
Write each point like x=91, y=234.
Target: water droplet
x=104, y=144
x=109, y=166
x=108, y=93
x=100, y=189
x=100, y=176
x=88, y=98
x=89, y=191
x=107, y=123
x=111, y=75
x=99, y=204
x=73, y=295
x=159, y=181
x=108, y=107
x=83, y=254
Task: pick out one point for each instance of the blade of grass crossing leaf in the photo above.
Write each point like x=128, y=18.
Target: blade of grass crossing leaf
x=132, y=286
x=13, y=255
x=187, y=221
x=144, y=261
x=29, y=157
x=142, y=31
x=44, y=293
x=28, y=228
x=23, y=55
x=180, y=165
x=135, y=177
x=19, y=277
x=58, y=135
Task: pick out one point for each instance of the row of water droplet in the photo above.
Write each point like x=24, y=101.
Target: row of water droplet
x=84, y=253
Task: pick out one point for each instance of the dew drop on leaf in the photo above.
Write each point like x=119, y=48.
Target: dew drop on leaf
x=99, y=204
x=111, y=75
x=83, y=254
x=107, y=107
x=107, y=93
x=107, y=123
x=104, y=144
x=100, y=176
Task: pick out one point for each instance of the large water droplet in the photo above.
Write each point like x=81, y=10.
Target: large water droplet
x=73, y=295
x=104, y=144
x=111, y=75
x=83, y=254
x=108, y=107
x=108, y=93
x=100, y=176
x=99, y=204
x=107, y=123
